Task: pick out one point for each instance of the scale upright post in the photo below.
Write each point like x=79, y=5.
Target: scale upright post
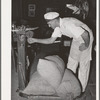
x=21, y=60
x=21, y=56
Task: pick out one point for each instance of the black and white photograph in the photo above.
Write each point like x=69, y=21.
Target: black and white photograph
x=53, y=49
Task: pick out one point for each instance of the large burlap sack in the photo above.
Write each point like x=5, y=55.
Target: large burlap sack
x=49, y=70
x=58, y=61
x=69, y=84
x=38, y=86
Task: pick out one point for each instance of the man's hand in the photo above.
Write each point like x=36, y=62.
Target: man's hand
x=31, y=40
x=82, y=47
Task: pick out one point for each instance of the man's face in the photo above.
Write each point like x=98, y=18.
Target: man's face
x=52, y=24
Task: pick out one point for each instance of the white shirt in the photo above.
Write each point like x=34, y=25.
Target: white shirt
x=74, y=28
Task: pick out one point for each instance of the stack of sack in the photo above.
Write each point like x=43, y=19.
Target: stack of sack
x=51, y=78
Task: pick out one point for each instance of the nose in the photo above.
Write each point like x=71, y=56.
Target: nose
x=49, y=25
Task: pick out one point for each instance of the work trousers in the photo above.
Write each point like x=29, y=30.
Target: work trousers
x=83, y=71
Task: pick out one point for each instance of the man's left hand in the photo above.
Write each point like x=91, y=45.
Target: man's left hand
x=82, y=47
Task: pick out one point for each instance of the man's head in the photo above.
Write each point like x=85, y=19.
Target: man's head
x=52, y=19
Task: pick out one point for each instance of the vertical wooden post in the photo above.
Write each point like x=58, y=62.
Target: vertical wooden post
x=21, y=60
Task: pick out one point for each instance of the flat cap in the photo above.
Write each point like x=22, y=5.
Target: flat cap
x=51, y=15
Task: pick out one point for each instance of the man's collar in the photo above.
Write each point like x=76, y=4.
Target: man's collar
x=60, y=22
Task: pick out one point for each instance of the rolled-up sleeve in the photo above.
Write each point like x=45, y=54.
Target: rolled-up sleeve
x=57, y=32
x=76, y=30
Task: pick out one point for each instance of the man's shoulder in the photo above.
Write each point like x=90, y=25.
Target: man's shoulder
x=68, y=19
x=72, y=20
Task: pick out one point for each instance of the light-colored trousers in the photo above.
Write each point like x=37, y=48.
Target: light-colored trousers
x=83, y=71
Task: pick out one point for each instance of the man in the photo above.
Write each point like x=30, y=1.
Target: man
x=81, y=47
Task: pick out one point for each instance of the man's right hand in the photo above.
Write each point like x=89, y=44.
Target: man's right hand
x=31, y=40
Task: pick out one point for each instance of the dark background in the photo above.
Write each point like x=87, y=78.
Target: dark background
x=20, y=13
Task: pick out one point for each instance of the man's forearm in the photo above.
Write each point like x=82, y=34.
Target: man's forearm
x=86, y=38
x=45, y=41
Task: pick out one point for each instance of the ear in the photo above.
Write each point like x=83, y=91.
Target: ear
x=57, y=22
